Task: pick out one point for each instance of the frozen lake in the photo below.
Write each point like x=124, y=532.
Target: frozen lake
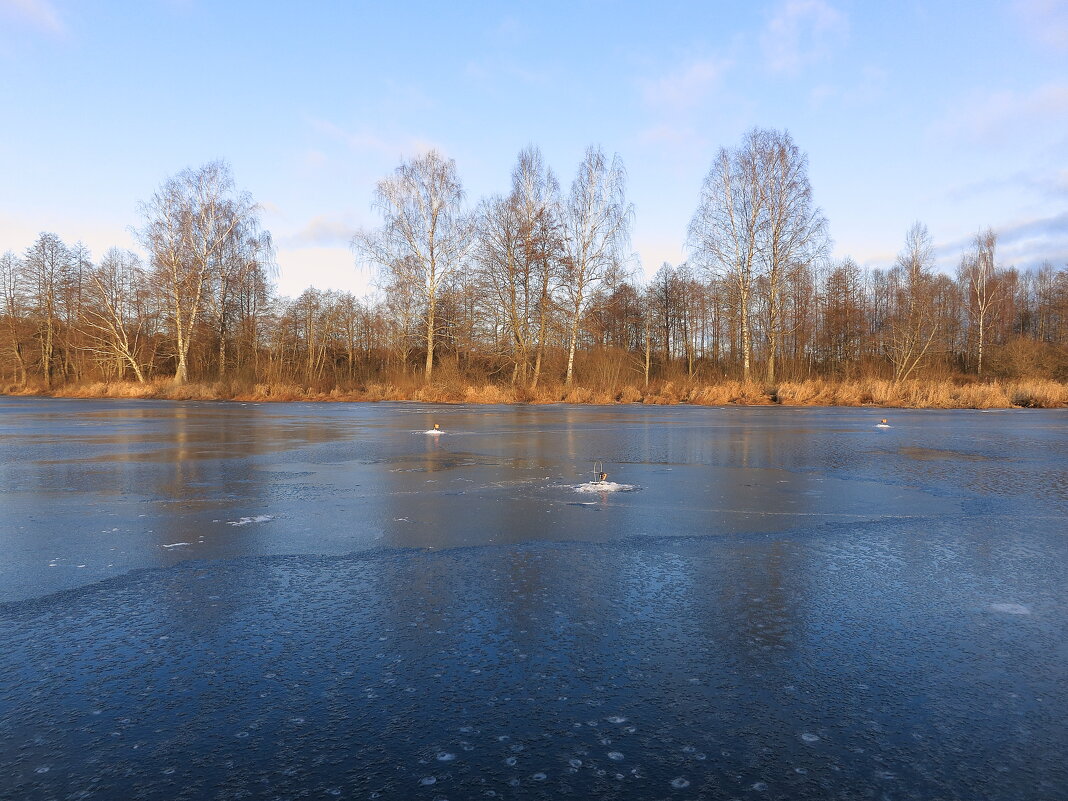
x=316, y=600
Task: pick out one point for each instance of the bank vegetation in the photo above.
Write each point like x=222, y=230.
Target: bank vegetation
x=533, y=295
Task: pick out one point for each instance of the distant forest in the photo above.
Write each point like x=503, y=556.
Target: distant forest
x=532, y=291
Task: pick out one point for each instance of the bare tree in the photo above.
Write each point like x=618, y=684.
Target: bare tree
x=536, y=193
x=47, y=265
x=504, y=272
x=518, y=252
x=190, y=228
x=112, y=321
x=425, y=232
x=12, y=309
x=842, y=317
x=913, y=325
x=794, y=235
x=724, y=234
x=977, y=275
x=245, y=260
x=596, y=227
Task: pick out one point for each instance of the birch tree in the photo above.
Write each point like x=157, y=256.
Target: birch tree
x=425, y=233
x=518, y=254
x=978, y=278
x=189, y=229
x=724, y=234
x=596, y=228
x=793, y=236
x=113, y=322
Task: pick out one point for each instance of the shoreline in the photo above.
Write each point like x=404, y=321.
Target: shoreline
x=874, y=393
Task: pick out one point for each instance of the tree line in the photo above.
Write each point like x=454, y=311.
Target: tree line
x=533, y=286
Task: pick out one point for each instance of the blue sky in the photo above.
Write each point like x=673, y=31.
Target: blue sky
x=952, y=113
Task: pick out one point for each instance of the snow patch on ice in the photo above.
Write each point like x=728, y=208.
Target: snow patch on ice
x=1010, y=609
x=604, y=486
x=245, y=521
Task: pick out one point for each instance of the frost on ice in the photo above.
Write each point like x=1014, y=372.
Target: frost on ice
x=1010, y=609
x=604, y=486
x=245, y=521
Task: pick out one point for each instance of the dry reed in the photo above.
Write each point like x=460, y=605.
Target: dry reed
x=936, y=394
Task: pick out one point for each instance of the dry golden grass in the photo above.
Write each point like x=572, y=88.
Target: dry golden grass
x=731, y=393
x=982, y=396
x=489, y=393
x=931, y=394
x=578, y=395
x=1038, y=394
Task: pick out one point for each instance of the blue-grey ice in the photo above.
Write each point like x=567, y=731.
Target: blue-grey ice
x=787, y=606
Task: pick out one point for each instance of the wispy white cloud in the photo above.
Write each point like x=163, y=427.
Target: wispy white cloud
x=869, y=88
x=1045, y=20
x=687, y=86
x=39, y=14
x=801, y=32
x=321, y=231
x=313, y=159
x=996, y=117
x=1023, y=242
x=366, y=140
x=321, y=267
x=1049, y=184
x=665, y=134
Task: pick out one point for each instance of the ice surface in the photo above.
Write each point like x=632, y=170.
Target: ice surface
x=734, y=645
